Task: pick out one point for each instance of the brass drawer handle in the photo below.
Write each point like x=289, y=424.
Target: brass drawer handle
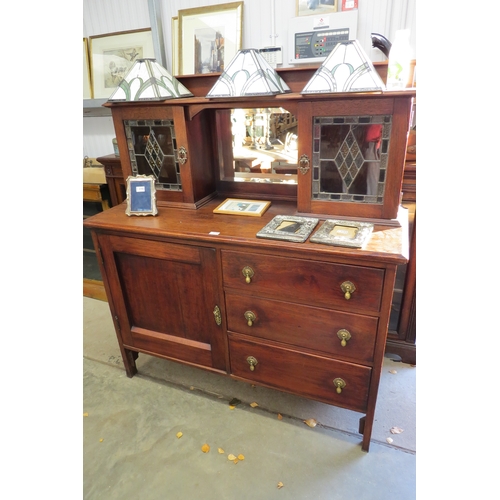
x=348, y=288
x=252, y=362
x=248, y=273
x=339, y=384
x=250, y=317
x=344, y=335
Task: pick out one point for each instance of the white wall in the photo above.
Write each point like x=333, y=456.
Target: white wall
x=108, y=16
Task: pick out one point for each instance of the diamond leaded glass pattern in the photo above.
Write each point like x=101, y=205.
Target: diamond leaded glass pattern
x=350, y=158
x=152, y=148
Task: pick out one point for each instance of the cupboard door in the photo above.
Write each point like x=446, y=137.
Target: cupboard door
x=351, y=156
x=164, y=295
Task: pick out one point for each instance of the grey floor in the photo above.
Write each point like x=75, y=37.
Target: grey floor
x=130, y=426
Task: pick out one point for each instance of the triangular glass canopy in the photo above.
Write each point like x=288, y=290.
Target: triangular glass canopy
x=148, y=81
x=346, y=69
x=248, y=74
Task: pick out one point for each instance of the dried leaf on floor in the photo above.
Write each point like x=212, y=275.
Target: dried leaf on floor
x=220, y=450
x=241, y=457
x=389, y=440
x=179, y=435
x=280, y=416
x=205, y=448
x=85, y=414
x=393, y=372
x=231, y=456
x=253, y=405
x=191, y=388
x=232, y=407
x=101, y=440
x=396, y=430
x=280, y=485
x=311, y=422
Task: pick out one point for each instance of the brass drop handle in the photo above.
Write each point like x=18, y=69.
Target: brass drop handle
x=250, y=317
x=348, y=288
x=339, y=384
x=344, y=336
x=248, y=273
x=182, y=155
x=252, y=362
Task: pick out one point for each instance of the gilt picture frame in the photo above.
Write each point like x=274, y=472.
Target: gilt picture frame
x=87, y=84
x=113, y=54
x=234, y=206
x=316, y=7
x=209, y=37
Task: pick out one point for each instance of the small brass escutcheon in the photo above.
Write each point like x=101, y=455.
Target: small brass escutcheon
x=339, y=384
x=304, y=164
x=217, y=316
x=250, y=317
x=252, y=362
x=182, y=155
x=348, y=288
x=248, y=273
x=344, y=335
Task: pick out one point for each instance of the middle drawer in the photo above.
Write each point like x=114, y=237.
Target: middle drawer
x=331, y=332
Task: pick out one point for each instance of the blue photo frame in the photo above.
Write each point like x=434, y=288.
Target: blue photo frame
x=141, y=195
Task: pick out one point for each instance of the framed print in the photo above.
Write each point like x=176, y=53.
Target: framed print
x=343, y=233
x=252, y=208
x=175, y=46
x=112, y=55
x=209, y=37
x=288, y=228
x=87, y=89
x=316, y=7
x=141, y=195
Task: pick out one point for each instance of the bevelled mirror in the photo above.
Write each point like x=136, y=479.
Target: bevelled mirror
x=257, y=147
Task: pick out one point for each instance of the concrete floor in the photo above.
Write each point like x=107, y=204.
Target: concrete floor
x=131, y=450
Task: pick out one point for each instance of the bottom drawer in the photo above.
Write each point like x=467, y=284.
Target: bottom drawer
x=303, y=374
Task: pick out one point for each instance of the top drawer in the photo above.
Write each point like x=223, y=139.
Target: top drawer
x=304, y=281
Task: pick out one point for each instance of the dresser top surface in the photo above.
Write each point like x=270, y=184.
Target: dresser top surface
x=202, y=226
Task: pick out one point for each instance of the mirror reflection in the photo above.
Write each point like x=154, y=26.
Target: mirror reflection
x=264, y=145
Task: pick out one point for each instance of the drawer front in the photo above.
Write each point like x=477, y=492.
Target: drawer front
x=303, y=374
x=303, y=326
x=304, y=281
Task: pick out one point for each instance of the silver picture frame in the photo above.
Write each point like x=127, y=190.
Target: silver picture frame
x=343, y=233
x=288, y=228
x=141, y=195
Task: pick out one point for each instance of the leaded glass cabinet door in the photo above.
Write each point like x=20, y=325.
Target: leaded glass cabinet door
x=351, y=156
x=158, y=140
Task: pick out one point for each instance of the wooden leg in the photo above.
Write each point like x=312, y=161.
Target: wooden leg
x=129, y=358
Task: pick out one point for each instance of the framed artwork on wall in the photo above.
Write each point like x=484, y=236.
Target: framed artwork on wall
x=316, y=7
x=209, y=37
x=87, y=88
x=113, y=54
x=175, y=46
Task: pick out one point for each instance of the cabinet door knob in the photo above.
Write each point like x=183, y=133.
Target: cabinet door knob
x=182, y=155
x=250, y=317
x=348, y=288
x=339, y=384
x=248, y=273
x=252, y=362
x=344, y=335
x=304, y=164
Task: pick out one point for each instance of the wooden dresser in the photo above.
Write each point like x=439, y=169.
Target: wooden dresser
x=201, y=288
